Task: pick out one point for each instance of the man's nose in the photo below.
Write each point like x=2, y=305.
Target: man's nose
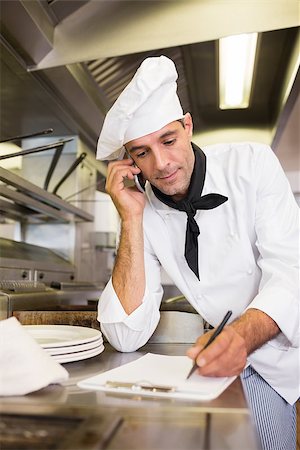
x=160, y=159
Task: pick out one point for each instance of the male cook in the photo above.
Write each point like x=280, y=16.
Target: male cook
x=223, y=223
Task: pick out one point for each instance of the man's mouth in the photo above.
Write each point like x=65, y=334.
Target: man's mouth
x=169, y=177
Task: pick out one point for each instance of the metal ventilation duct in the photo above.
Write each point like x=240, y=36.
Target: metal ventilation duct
x=113, y=74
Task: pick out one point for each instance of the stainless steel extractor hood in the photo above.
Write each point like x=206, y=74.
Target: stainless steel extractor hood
x=75, y=57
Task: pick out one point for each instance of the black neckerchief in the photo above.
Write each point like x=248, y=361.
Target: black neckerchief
x=190, y=204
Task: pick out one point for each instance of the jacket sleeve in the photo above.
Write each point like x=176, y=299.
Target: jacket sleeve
x=125, y=332
x=277, y=230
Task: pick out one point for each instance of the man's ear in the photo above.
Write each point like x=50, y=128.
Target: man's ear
x=188, y=124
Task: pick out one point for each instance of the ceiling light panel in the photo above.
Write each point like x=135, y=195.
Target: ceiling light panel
x=236, y=65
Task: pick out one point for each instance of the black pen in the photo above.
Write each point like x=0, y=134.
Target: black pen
x=211, y=339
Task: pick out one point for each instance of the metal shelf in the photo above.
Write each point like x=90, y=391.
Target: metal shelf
x=35, y=199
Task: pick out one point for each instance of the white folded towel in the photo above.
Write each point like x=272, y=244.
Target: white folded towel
x=24, y=365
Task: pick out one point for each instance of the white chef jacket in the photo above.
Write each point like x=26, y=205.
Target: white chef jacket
x=248, y=258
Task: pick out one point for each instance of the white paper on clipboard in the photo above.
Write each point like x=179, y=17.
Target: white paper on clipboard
x=163, y=371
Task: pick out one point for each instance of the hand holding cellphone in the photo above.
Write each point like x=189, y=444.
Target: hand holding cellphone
x=138, y=179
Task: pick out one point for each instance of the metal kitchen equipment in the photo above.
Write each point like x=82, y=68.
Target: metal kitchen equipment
x=25, y=136
x=39, y=203
x=36, y=279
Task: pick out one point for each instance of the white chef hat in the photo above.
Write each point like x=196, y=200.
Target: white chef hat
x=147, y=104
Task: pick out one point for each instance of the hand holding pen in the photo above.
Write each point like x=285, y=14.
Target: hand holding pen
x=217, y=331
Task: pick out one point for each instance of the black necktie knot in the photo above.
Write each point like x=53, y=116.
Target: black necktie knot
x=188, y=207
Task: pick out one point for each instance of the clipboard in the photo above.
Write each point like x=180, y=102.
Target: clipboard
x=155, y=375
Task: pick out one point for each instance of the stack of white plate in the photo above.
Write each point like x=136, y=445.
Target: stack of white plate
x=67, y=343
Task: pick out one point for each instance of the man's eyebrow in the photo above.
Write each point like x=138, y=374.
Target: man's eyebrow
x=136, y=148
x=142, y=147
x=167, y=134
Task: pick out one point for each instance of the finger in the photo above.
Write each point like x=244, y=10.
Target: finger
x=226, y=365
x=117, y=174
x=205, y=356
x=227, y=357
x=120, y=162
x=217, y=347
x=217, y=369
x=115, y=166
x=193, y=351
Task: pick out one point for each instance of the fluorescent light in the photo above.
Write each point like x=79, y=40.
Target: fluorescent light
x=236, y=64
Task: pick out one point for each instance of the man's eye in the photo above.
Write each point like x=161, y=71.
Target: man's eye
x=170, y=142
x=141, y=154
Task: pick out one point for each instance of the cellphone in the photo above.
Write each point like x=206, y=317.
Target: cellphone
x=140, y=182
x=138, y=179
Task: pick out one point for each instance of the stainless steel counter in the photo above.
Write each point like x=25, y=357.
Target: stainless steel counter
x=131, y=422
